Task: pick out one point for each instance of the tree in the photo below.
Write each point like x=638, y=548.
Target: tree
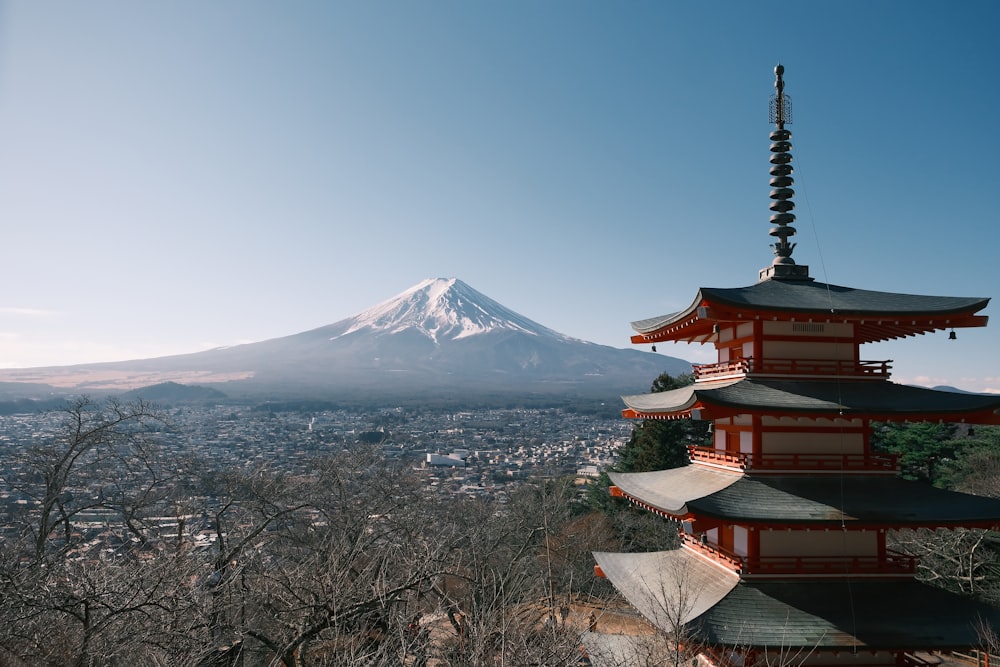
x=658, y=444
x=963, y=560
x=512, y=573
x=975, y=468
x=76, y=593
x=654, y=445
x=97, y=448
x=965, y=459
x=127, y=556
x=921, y=446
x=328, y=565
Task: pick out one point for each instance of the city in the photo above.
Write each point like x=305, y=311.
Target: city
x=468, y=453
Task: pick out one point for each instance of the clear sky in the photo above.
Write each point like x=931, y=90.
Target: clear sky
x=181, y=175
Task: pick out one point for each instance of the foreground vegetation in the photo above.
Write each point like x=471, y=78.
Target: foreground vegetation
x=353, y=563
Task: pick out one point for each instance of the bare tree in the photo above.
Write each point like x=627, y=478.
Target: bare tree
x=351, y=563
x=962, y=559
x=98, y=447
x=76, y=592
x=510, y=575
x=324, y=565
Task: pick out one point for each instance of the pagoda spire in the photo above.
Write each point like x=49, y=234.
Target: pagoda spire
x=782, y=205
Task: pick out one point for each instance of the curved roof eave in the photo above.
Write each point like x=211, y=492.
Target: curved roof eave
x=874, y=399
x=808, y=298
x=780, y=500
x=652, y=324
x=822, y=298
x=667, y=587
x=776, y=500
x=677, y=402
x=670, y=490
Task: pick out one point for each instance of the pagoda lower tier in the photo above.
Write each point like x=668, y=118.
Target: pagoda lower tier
x=795, y=620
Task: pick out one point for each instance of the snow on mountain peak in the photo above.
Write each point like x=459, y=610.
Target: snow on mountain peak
x=444, y=309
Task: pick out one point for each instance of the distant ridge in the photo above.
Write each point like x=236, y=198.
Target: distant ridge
x=440, y=337
x=954, y=390
x=173, y=393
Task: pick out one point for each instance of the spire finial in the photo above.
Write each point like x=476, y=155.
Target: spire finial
x=782, y=205
x=781, y=107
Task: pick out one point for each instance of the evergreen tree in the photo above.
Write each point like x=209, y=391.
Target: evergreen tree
x=655, y=444
x=976, y=466
x=658, y=444
x=922, y=447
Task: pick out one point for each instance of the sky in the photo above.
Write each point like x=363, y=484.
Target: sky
x=177, y=176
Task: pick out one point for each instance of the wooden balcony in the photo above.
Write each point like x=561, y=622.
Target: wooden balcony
x=796, y=462
x=893, y=564
x=798, y=367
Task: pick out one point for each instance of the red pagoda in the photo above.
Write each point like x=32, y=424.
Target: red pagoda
x=784, y=519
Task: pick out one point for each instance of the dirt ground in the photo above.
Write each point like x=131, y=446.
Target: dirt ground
x=613, y=619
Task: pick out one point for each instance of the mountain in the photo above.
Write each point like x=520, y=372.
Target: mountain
x=440, y=337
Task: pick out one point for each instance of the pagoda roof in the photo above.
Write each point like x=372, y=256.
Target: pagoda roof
x=876, y=399
x=889, y=615
x=796, y=614
x=671, y=490
x=653, y=581
x=880, y=315
x=768, y=500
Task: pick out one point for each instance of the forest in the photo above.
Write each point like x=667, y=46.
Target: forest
x=356, y=562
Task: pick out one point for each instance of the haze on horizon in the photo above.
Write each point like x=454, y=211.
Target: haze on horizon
x=176, y=177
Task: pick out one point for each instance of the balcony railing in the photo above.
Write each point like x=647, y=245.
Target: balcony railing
x=893, y=564
x=716, y=553
x=796, y=462
x=721, y=369
x=821, y=367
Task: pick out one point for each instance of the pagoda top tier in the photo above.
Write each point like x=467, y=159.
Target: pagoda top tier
x=877, y=316
x=785, y=291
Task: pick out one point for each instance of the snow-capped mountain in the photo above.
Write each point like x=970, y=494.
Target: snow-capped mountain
x=444, y=308
x=440, y=337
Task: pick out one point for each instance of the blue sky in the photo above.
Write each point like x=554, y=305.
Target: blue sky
x=178, y=176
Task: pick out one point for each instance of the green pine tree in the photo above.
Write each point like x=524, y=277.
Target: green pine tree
x=658, y=444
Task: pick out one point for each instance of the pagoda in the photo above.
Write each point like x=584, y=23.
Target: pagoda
x=784, y=519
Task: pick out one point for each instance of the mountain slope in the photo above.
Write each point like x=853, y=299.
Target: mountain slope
x=441, y=336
